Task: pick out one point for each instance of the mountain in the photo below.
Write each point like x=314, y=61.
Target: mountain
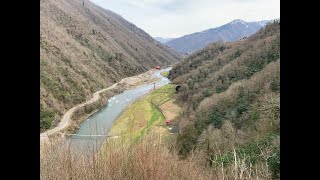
x=84, y=48
x=163, y=40
x=230, y=32
x=230, y=94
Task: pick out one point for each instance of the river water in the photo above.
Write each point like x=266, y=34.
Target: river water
x=100, y=122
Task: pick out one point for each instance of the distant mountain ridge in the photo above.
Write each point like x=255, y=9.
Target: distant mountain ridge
x=163, y=40
x=229, y=32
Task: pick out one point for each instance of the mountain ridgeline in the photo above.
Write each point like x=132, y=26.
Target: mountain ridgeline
x=84, y=48
x=230, y=94
x=230, y=32
x=163, y=40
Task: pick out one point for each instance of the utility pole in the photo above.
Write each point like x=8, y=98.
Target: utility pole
x=154, y=86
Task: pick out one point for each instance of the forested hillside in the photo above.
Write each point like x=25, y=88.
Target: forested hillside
x=230, y=93
x=84, y=48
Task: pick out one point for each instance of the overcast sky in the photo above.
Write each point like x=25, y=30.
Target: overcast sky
x=175, y=18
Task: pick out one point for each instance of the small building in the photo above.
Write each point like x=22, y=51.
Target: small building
x=157, y=67
x=168, y=121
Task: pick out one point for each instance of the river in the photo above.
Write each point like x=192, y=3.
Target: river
x=100, y=122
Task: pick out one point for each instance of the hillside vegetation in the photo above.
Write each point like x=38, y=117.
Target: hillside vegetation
x=230, y=95
x=142, y=149
x=84, y=48
x=229, y=127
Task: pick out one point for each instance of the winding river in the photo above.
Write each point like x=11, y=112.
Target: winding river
x=95, y=128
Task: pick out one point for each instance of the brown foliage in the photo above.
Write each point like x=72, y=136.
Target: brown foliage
x=84, y=48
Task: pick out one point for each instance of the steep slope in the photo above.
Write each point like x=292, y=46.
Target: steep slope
x=232, y=31
x=230, y=94
x=84, y=48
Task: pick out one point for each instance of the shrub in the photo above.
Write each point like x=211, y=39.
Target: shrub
x=46, y=118
x=254, y=113
x=216, y=118
x=90, y=108
x=187, y=140
x=45, y=123
x=222, y=87
x=242, y=104
x=274, y=164
x=270, y=106
x=207, y=93
x=275, y=86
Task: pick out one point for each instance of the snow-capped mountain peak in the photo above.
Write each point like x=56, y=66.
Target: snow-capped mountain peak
x=238, y=21
x=263, y=23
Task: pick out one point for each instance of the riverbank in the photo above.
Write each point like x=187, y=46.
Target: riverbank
x=145, y=115
x=125, y=84
x=165, y=73
x=149, y=156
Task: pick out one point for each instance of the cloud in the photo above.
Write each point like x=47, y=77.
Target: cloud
x=175, y=18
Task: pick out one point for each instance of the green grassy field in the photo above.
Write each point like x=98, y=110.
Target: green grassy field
x=165, y=73
x=139, y=117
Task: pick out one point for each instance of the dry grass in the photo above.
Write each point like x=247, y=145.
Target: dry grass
x=142, y=161
x=147, y=159
x=153, y=156
x=170, y=109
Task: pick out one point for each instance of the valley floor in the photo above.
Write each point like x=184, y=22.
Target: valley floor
x=144, y=149
x=126, y=83
x=149, y=113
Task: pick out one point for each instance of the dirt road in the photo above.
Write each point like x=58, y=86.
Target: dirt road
x=66, y=118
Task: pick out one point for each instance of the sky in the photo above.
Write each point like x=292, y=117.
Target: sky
x=175, y=18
